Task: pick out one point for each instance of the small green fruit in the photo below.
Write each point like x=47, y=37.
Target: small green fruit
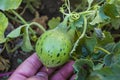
x=53, y=48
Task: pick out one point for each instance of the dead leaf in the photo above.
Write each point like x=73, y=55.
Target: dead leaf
x=41, y=20
x=4, y=64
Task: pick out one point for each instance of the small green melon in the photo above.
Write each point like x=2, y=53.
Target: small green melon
x=53, y=48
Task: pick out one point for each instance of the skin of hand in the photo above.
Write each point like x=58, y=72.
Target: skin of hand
x=32, y=69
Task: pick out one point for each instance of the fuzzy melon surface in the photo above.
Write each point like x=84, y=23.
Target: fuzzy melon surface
x=53, y=48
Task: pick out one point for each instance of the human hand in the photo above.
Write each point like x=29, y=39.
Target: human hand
x=32, y=69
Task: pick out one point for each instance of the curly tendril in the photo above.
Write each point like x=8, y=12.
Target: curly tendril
x=75, y=16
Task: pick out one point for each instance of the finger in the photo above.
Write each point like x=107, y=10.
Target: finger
x=39, y=76
x=49, y=71
x=73, y=77
x=28, y=68
x=65, y=72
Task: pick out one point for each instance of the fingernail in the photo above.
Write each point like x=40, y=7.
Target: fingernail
x=42, y=74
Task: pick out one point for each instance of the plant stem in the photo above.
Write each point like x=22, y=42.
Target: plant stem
x=102, y=49
x=68, y=6
x=2, y=48
x=40, y=26
x=86, y=12
x=19, y=16
x=33, y=23
x=78, y=7
x=12, y=18
x=15, y=48
x=85, y=28
x=65, y=21
x=82, y=35
x=89, y=5
x=101, y=2
x=116, y=35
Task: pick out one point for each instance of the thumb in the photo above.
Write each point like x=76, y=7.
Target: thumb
x=39, y=76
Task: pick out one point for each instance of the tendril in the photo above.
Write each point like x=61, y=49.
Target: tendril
x=75, y=16
x=65, y=7
x=82, y=35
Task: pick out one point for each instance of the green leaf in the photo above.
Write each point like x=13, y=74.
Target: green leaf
x=53, y=22
x=27, y=46
x=83, y=67
x=114, y=10
x=100, y=17
x=108, y=73
x=9, y=4
x=115, y=23
x=90, y=43
x=115, y=48
x=108, y=59
x=111, y=10
x=98, y=66
x=117, y=4
x=107, y=39
x=86, y=46
x=93, y=77
x=3, y=26
x=116, y=68
x=79, y=22
x=114, y=57
x=110, y=47
x=15, y=33
x=99, y=74
x=110, y=1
